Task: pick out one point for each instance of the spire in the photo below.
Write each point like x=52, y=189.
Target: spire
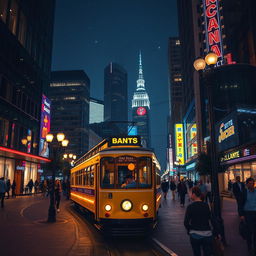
x=140, y=81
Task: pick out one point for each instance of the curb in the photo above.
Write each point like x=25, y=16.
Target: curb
x=162, y=248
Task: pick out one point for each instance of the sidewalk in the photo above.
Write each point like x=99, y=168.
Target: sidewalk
x=172, y=233
x=24, y=230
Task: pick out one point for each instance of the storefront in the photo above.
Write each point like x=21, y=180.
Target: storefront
x=240, y=162
x=20, y=166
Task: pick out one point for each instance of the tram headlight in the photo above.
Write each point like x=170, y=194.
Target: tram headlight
x=126, y=205
x=108, y=207
x=144, y=207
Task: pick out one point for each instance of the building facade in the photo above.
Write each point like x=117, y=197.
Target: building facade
x=69, y=93
x=115, y=94
x=96, y=111
x=141, y=109
x=26, y=30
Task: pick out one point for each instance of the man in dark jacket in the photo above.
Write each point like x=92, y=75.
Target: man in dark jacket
x=238, y=187
x=182, y=190
x=247, y=213
x=165, y=187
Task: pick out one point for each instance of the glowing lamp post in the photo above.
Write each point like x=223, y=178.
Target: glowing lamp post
x=55, y=153
x=200, y=65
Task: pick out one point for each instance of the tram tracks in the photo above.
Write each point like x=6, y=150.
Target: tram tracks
x=116, y=246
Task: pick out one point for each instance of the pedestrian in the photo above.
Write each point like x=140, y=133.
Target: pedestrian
x=208, y=197
x=173, y=188
x=203, y=190
x=247, y=213
x=36, y=185
x=8, y=187
x=238, y=187
x=198, y=222
x=57, y=191
x=2, y=191
x=182, y=191
x=64, y=188
x=30, y=186
x=14, y=188
x=165, y=187
x=230, y=185
x=190, y=186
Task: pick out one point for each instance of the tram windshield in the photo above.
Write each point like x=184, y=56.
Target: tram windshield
x=126, y=172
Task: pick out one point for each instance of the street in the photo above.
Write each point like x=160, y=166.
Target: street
x=24, y=229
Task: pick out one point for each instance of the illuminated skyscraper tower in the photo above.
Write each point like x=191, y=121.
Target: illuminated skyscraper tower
x=141, y=107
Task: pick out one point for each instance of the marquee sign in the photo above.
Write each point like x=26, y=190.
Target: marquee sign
x=213, y=27
x=124, y=141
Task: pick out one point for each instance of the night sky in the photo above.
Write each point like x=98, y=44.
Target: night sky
x=89, y=34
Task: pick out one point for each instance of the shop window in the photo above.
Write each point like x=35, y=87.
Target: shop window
x=3, y=9
x=22, y=29
x=13, y=16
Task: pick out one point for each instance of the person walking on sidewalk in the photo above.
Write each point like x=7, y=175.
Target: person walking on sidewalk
x=57, y=191
x=2, y=191
x=8, y=187
x=198, y=222
x=247, y=213
x=13, y=188
x=182, y=191
x=238, y=188
x=208, y=197
x=173, y=188
x=30, y=186
x=165, y=187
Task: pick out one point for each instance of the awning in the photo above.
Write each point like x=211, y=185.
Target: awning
x=11, y=153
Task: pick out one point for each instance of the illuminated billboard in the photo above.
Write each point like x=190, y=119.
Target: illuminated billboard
x=213, y=28
x=44, y=126
x=179, y=144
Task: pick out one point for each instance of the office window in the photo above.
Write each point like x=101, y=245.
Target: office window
x=13, y=16
x=3, y=9
x=4, y=127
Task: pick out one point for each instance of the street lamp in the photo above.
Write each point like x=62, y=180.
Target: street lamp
x=55, y=154
x=200, y=65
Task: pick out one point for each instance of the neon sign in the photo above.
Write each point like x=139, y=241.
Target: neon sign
x=226, y=130
x=179, y=141
x=213, y=27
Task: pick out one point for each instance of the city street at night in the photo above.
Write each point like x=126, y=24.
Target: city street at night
x=127, y=128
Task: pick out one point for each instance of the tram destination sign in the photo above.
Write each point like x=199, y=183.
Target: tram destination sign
x=124, y=141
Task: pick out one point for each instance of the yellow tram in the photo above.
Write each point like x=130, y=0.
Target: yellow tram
x=119, y=182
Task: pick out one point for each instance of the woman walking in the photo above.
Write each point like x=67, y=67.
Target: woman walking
x=57, y=191
x=198, y=222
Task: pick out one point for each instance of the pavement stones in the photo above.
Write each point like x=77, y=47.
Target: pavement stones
x=171, y=232
x=24, y=230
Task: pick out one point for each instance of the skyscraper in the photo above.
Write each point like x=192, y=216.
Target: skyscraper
x=141, y=108
x=25, y=64
x=115, y=93
x=70, y=95
x=96, y=111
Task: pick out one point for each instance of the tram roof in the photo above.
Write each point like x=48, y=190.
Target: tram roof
x=115, y=144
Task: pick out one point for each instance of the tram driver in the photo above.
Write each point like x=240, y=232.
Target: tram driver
x=129, y=182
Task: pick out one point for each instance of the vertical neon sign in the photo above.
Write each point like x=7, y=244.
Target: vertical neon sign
x=45, y=126
x=213, y=27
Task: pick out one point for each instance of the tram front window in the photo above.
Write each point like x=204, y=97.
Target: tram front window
x=144, y=172
x=107, y=172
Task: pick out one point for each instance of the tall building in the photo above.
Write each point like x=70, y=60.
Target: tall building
x=96, y=111
x=141, y=108
x=26, y=30
x=70, y=95
x=115, y=93
x=175, y=95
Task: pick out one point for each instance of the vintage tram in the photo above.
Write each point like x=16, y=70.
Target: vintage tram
x=118, y=181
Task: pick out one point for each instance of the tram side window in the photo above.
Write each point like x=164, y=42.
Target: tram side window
x=107, y=172
x=80, y=175
x=156, y=171
x=72, y=179
x=86, y=176
x=144, y=172
x=92, y=175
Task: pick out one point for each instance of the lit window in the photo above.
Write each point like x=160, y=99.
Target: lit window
x=69, y=98
x=177, y=42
